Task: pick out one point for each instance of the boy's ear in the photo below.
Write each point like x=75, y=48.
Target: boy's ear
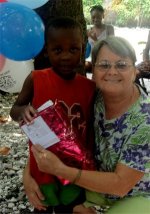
x=45, y=46
x=83, y=43
x=83, y=48
x=45, y=51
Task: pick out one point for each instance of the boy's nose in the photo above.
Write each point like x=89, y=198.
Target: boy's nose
x=65, y=56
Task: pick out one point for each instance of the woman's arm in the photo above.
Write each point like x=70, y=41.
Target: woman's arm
x=118, y=183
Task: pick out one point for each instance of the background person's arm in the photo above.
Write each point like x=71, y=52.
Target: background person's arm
x=92, y=35
x=110, y=30
x=146, y=51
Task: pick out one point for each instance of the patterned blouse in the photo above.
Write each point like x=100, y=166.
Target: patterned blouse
x=124, y=140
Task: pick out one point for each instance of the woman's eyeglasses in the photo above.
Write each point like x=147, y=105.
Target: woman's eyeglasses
x=105, y=65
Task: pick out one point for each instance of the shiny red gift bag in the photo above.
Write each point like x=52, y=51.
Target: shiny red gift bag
x=69, y=149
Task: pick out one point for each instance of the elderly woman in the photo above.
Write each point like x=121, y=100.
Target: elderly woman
x=122, y=136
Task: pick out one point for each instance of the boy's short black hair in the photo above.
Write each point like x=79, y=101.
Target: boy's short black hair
x=98, y=8
x=64, y=22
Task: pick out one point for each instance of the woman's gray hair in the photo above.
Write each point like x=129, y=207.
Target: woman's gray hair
x=117, y=45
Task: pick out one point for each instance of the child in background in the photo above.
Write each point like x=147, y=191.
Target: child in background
x=99, y=30
x=62, y=83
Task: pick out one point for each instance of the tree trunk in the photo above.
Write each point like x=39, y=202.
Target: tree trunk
x=55, y=8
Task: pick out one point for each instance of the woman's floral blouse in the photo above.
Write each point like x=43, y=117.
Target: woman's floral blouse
x=124, y=140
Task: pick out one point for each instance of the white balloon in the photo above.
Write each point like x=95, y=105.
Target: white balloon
x=30, y=3
x=13, y=74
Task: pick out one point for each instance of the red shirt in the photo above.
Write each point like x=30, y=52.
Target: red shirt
x=76, y=98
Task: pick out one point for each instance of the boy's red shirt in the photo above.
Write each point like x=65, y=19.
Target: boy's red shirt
x=76, y=98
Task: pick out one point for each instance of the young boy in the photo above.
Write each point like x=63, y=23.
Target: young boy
x=62, y=83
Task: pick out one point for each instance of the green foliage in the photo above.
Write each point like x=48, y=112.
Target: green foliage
x=127, y=12
x=136, y=10
x=91, y=2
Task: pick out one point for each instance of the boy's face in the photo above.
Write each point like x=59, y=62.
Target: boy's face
x=64, y=48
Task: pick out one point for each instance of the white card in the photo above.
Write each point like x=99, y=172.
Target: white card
x=45, y=105
x=40, y=133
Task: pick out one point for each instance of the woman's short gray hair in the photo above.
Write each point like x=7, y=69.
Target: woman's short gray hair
x=117, y=45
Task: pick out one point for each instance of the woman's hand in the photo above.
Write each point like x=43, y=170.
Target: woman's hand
x=47, y=161
x=33, y=191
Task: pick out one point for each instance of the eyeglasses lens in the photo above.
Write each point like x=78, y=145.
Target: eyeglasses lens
x=119, y=66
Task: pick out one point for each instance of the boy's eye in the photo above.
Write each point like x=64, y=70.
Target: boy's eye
x=74, y=50
x=57, y=50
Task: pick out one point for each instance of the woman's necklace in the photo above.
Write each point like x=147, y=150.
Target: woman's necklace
x=118, y=110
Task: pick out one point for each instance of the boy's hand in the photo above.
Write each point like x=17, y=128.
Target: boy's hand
x=27, y=114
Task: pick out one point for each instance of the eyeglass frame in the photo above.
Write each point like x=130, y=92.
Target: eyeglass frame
x=110, y=65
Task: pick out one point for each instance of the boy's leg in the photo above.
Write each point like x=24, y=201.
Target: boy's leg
x=49, y=210
x=68, y=209
x=81, y=209
x=92, y=199
x=62, y=209
x=138, y=205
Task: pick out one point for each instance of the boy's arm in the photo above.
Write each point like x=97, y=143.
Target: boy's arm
x=22, y=110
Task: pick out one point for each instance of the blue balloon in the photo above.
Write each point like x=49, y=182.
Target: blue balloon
x=30, y=3
x=21, y=32
x=87, y=50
